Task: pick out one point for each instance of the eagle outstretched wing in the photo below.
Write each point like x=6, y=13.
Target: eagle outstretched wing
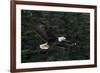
x=42, y=30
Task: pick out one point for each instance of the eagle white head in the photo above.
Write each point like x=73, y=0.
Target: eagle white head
x=60, y=39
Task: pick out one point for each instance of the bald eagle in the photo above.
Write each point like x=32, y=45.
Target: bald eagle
x=45, y=33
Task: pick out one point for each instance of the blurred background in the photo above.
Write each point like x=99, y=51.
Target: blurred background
x=75, y=27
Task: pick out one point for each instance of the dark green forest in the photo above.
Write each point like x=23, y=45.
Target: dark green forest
x=74, y=26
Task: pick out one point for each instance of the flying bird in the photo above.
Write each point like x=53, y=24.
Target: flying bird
x=45, y=33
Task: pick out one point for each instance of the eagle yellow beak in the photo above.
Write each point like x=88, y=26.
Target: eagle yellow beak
x=44, y=46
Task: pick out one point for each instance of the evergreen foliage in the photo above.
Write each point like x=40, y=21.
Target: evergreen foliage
x=74, y=26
